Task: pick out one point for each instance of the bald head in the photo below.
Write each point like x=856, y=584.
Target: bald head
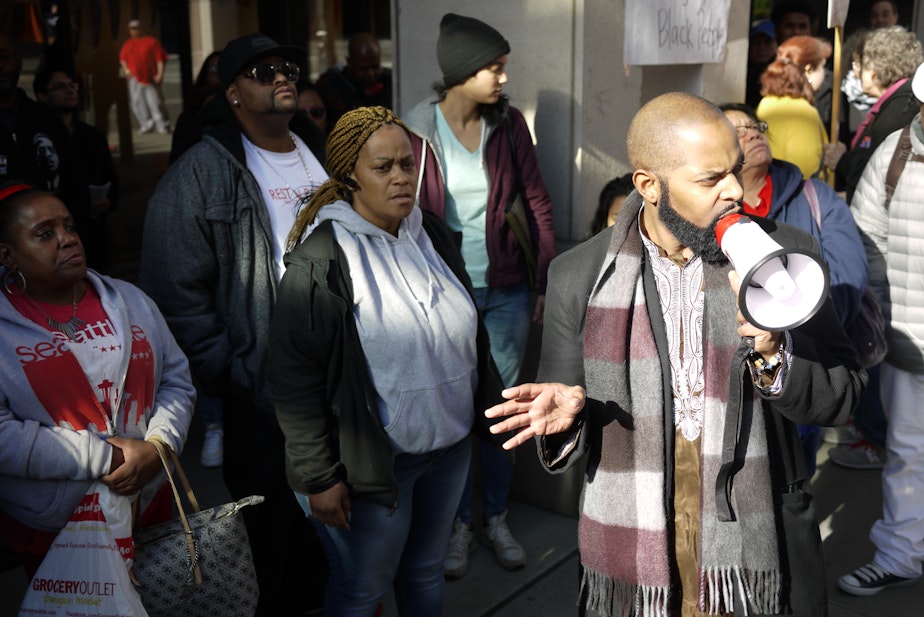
x=364, y=60
x=654, y=132
x=364, y=44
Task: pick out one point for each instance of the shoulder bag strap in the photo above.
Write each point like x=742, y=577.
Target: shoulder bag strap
x=518, y=187
x=165, y=452
x=809, y=189
x=900, y=156
x=420, y=172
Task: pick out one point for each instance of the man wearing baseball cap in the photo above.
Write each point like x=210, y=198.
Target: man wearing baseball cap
x=212, y=257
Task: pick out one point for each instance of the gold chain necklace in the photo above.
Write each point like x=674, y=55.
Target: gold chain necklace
x=68, y=328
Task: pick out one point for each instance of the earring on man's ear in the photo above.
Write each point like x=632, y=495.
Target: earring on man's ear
x=235, y=103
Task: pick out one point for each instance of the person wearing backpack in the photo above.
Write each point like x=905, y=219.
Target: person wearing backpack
x=887, y=208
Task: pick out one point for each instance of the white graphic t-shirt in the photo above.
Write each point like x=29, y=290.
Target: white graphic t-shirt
x=284, y=181
x=64, y=373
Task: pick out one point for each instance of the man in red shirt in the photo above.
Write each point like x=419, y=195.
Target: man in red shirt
x=142, y=58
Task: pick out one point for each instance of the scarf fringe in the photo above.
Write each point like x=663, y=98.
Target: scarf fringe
x=608, y=596
x=763, y=590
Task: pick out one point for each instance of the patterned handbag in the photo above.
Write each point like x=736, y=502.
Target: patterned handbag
x=199, y=565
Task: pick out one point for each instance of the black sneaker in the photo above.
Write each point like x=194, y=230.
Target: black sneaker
x=870, y=580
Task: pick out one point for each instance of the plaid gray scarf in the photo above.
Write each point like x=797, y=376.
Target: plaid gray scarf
x=623, y=528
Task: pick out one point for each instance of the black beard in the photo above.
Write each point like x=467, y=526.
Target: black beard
x=701, y=240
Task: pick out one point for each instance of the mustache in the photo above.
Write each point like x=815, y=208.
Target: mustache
x=738, y=205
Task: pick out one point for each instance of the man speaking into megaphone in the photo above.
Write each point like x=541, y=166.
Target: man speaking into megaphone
x=695, y=480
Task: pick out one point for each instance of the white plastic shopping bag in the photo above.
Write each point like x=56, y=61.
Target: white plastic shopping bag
x=85, y=573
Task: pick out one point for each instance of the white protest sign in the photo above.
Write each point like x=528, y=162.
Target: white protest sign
x=837, y=12
x=675, y=31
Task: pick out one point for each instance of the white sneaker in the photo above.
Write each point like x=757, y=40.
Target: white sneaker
x=213, y=446
x=461, y=544
x=507, y=550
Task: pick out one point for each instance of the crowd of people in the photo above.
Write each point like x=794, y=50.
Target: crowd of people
x=339, y=295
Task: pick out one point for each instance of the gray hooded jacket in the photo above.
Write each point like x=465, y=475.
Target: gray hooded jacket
x=207, y=257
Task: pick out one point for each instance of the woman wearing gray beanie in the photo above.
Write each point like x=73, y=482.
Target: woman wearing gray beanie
x=477, y=156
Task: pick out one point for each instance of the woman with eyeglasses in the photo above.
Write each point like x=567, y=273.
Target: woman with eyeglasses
x=774, y=189
x=796, y=132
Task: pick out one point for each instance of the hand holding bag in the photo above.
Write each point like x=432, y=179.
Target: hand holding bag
x=198, y=565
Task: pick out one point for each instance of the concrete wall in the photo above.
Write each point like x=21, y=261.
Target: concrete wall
x=567, y=76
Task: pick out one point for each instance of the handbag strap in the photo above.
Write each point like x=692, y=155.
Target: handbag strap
x=165, y=451
x=168, y=452
x=420, y=172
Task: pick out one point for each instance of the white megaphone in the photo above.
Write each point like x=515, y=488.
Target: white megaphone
x=780, y=288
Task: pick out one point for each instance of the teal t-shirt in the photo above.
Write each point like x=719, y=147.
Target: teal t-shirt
x=466, y=197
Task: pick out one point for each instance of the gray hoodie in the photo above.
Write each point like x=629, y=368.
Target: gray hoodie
x=415, y=322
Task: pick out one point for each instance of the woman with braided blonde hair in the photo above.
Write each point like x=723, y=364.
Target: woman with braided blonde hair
x=378, y=361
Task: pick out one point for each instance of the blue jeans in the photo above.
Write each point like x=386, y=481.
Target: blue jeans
x=210, y=410
x=506, y=313
x=404, y=547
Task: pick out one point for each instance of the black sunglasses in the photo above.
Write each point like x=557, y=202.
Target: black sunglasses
x=266, y=73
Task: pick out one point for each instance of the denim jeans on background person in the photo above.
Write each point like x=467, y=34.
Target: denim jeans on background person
x=405, y=546
x=507, y=316
x=210, y=409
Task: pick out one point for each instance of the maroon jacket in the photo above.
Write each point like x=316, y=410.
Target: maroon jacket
x=506, y=261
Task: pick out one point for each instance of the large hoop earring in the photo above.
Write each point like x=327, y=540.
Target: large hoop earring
x=7, y=280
